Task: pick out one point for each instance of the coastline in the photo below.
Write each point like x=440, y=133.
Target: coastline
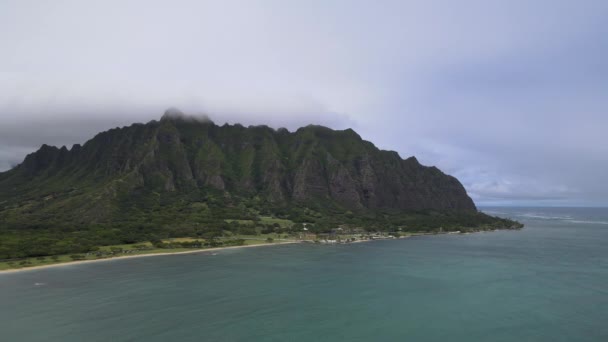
x=202, y=250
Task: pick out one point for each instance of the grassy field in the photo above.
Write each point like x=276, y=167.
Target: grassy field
x=245, y=222
x=265, y=220
x=272, y=220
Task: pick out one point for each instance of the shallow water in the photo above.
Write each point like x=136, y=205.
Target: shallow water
x=547, y=282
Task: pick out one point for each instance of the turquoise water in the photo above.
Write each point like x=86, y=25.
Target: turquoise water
x=548, y=282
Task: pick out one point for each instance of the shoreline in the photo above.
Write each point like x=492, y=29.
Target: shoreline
x=202, y=250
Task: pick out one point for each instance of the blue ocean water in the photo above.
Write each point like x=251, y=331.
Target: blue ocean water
x=547, y=282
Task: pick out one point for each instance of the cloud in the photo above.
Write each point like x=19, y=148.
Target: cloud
x=509, y=96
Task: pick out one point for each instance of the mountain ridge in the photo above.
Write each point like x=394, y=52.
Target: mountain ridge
x=180, y=177
x=181, y=153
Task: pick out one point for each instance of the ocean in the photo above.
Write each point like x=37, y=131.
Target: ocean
x=547, y=282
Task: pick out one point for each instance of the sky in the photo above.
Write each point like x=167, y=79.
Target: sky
x=510, y=97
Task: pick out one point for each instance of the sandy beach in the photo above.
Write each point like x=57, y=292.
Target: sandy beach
x=70, y=263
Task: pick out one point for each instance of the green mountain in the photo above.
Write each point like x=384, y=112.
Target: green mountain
x=184, y=175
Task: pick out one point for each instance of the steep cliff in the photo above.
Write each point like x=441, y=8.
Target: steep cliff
x=181, y=154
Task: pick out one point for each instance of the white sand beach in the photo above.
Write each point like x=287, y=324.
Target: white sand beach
x=205, y=250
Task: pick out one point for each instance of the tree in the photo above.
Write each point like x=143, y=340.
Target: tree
x=269, y=240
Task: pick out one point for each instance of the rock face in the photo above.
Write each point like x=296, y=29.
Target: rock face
x=182, y=154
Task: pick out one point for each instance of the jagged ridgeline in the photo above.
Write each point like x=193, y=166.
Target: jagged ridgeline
x=185, y=171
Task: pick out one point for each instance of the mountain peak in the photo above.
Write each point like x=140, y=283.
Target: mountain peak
x=174, y=114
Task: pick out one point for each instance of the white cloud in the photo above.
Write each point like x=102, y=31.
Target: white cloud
x=506, y=95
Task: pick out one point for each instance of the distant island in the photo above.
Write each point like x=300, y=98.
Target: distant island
x=186, y=183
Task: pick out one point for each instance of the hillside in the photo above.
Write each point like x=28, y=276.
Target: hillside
x=184, y=175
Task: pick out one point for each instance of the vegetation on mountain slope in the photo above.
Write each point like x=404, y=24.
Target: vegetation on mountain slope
x=182, y=176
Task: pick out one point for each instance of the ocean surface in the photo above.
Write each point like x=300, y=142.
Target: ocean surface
x=547, y=282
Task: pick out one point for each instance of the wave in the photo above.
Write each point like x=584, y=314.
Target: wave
x=548, y=217
x=545, y=217
x=588, y=222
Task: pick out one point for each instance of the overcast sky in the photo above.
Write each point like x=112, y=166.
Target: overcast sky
x=509, y=96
